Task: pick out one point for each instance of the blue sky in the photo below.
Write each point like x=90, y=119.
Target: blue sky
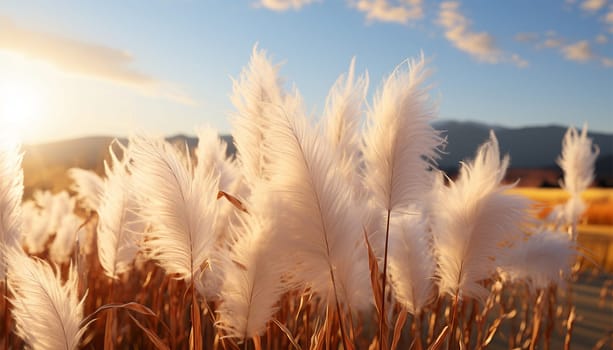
x=75, y=68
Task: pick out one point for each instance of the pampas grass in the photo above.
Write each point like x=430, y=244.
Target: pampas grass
x=285, y=242
x=11, y=191
x=471, y=219
x=119, y=225
x=47, y=311
x=577, y=162
x=88, y=186
x=180, y=208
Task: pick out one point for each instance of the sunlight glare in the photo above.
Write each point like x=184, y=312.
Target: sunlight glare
x=20, y=107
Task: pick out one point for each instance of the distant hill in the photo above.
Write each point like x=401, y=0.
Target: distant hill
x=533, y=152
x=529, y=147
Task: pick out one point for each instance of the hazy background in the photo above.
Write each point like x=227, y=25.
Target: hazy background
x=80, y=68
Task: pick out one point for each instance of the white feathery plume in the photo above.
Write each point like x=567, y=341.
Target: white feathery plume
x=36, y=234
x=11, y=193
x=577, y=162
x=342, y=118
x=211, y=157
x=47, y=312
x=540, y=259
x=119, y=224
x=471, y=218
x=255, y=95
x=399, y=143
x=411, y=262
x=65, y=238
x=180, y=208
x=88, y=187
x=58, y=206
x=318, y=209
x=253, y=282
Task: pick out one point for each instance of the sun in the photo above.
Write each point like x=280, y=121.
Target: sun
x=20, y=107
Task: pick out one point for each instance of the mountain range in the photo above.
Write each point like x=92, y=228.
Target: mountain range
x=533, y=152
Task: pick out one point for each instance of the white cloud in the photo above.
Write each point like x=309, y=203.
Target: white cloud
x=403, y=11
x=608, y=19
x=85, y=59
x=284, y=5
x=607, y=62
x=526, y=37
x=601, y=39
x=580, y=51
x=552, y=43
x=480, y=45
x=593, y=5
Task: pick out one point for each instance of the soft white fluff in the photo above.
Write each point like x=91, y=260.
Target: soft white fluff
x=318, y=209
x=47, y=312
x=11, y=192
x=180, y=208
x=577, y=160
x=88, y=187
x=65, y=238
x=399, y=143
x=119, y=225
x=252, y=283
x=255, y=94
x=541, y=259
x=342, y=118
x=471, y=218
x=411, y=262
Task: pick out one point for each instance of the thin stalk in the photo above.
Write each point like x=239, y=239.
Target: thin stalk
x=416, y=330
x=109, y=326
x=196, y=326
x=382, y=318
x=6, y=312
x=536, y=322
x=454, y=315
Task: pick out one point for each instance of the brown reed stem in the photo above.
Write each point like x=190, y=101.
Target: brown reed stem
x=109, y=326
x=6, y=311
x=383, y=318
x=454, y=314
x=536, y=320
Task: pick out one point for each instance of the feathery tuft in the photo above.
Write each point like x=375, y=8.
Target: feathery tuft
x=255, y=95
x=411, y=262
x=577, y=160
x=342, y=118
x=471, y=218
x=399, y=143
x=88, y=187
x=253, y=283
x=119, y=224
x=541, y=259
x=180, y=208
x=47, y=312
x=11, y=193
x=319, y=210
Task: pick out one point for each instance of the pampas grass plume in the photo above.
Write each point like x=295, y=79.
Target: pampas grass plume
x=47, y=312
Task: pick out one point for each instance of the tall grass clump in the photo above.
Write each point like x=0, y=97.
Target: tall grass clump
x=322, y=232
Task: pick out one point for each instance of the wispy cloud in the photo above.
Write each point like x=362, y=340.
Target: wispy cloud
x=580, y=51
x=283, y=5
x=526, y=37
x=608, y=19
x=480, y=45
x=593, y=5
x=403, y=11
x=85, y=59
x=601, y=39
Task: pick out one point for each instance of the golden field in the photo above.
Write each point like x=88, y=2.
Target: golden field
x=596, y=225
